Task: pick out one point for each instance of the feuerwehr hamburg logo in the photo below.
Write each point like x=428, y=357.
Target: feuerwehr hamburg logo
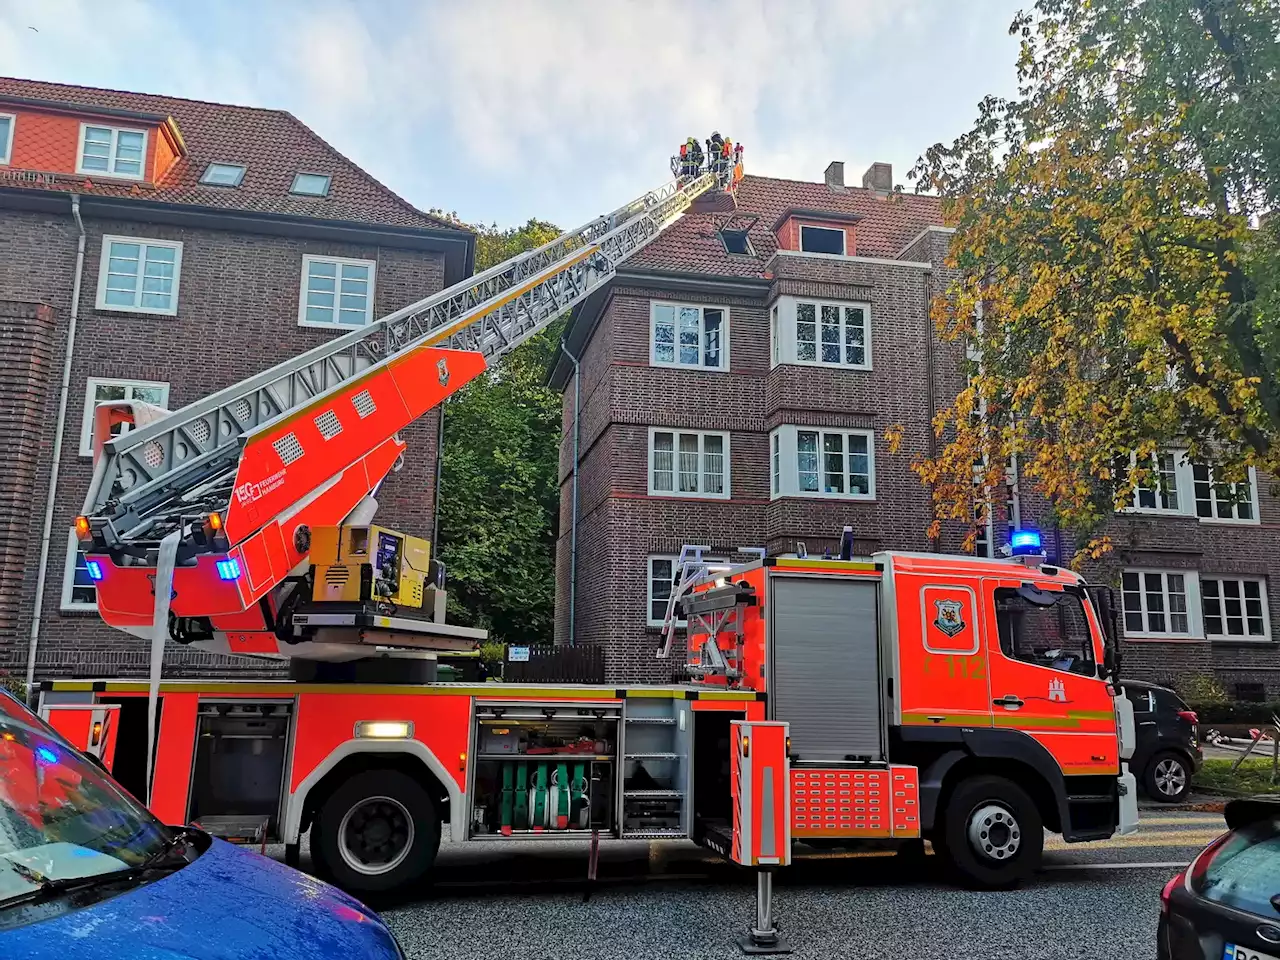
x=949, y=619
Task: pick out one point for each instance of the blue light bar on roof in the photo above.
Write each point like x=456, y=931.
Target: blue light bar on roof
x=1024, y=541
x=229, y=569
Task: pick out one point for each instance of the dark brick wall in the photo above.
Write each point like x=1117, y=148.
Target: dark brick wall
x=622, y=396
x=237, y=315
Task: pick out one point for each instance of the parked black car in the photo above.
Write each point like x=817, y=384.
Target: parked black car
x=1167, y=753
x=1227, y=903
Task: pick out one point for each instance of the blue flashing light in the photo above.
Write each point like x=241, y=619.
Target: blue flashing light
x=47, y=754
x=229, y=569
x=1025, y=541
x=94, y=569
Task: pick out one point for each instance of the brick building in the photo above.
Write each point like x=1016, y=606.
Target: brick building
x=734, y=387
x=205, y=242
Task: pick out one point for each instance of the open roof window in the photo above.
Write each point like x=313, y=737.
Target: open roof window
x=311, y=185
x=735, y=233
x=223, y=174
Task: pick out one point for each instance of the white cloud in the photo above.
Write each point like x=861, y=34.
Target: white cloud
x=505, y=109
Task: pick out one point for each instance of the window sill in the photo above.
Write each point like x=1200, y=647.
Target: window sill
x=855, y=497
x=1163, y=638
x=141, y=311
x=668, y=495
x=1241, y=641
x=83, y=609
x=1223, y=522
x=103, y=175
x=674, y=365
x=346, y=327
x=861, y=368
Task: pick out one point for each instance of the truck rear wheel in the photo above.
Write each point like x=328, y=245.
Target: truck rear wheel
x=992, y=834
x=377, y=831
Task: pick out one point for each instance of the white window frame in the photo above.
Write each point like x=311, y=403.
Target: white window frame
x=648, y=586
x=69, y=578
x=789, y=450
x=844, y=240
x=309, y=259
x=104, y=268
x=702, y=308
x=6, y=143
x=111, y=155
x=1213, y=494
x=91, y=404
x=1242, y=579
x=786, y=344
x=1180, y=474
x=1184, y=486
x=702, y=435
x=1191, y=586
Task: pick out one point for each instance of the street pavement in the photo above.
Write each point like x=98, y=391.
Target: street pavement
x=530, y=901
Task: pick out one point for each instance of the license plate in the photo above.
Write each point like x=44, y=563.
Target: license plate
x=1231, y=952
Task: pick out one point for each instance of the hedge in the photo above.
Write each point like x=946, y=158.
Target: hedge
x=1257, y=713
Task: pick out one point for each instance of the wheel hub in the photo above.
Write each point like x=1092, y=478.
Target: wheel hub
x=375, y=835
x=994, y=833
x=1170, y=777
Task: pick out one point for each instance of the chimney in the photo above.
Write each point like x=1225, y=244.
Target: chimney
x=835, y=176
x=879, y=177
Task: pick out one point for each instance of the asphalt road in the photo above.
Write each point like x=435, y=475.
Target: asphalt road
x=674, y=901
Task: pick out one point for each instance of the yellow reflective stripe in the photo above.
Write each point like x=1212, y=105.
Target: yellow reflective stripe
x=783, y=563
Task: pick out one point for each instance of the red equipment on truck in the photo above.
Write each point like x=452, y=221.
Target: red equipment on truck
x=970, y=702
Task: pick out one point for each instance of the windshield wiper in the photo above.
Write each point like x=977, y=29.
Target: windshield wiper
x=48, y=887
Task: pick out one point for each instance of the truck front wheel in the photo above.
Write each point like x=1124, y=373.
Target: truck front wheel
x=377, y=831
x=992, y=833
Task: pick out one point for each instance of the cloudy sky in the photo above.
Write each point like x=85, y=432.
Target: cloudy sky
x=560, y=109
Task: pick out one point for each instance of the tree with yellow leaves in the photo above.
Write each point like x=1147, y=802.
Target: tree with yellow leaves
x=1117, y=278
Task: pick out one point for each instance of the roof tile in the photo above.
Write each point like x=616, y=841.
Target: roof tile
x=273, y=145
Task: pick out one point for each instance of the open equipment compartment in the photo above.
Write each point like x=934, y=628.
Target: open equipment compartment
x=543, y=769
x=237, y=779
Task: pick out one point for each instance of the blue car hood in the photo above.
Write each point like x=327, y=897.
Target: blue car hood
x=229, y=904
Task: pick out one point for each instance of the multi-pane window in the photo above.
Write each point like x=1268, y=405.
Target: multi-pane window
x=101, y=391
x=1235, y=608
x=661, y=580
x=1159, y=491
x=834, y=462
x=688, y=463
x=775, y=337
x=1156, y=603
x=336, y=292
x=833, y=334
x=775, y=446
x=113, y=151
x=79, y=590
x=1221, y=501
x=139, y=276
x=821, y=240
x=7, y=121
x=687, y=335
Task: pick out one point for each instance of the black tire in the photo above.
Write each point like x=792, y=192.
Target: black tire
x=1167, y=777
x=992, y=834
x=376, y=832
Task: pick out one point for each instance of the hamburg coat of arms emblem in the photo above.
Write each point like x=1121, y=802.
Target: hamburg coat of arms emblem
x=949, y=619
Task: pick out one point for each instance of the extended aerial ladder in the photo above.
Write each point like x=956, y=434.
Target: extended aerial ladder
x=222, y=495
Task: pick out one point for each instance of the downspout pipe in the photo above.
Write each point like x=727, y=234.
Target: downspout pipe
x=573, y=514
x=929, y=388
x=59, y=431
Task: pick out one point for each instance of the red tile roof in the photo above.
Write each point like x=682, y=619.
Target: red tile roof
x=272, y=144
x=691, y=245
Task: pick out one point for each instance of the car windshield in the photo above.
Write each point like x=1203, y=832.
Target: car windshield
x=61, y=817
x=1244, y=872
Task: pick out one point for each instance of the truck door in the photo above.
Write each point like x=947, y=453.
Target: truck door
x=1044, y=663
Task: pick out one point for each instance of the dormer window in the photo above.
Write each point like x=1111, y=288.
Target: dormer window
x=311, y=185
x=821, y=240
x=223, y=175
x=112, y=151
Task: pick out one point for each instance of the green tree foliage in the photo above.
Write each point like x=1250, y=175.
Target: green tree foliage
x=1118, y=279
x=499, y=492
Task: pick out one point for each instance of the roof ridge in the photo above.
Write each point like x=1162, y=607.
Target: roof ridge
x=143, y=93
x=847, y=189
x=382, y=187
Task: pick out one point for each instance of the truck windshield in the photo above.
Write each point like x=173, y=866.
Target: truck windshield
x=1047, y=628
x=61, y=818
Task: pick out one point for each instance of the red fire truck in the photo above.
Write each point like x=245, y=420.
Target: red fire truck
x=970, y=702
